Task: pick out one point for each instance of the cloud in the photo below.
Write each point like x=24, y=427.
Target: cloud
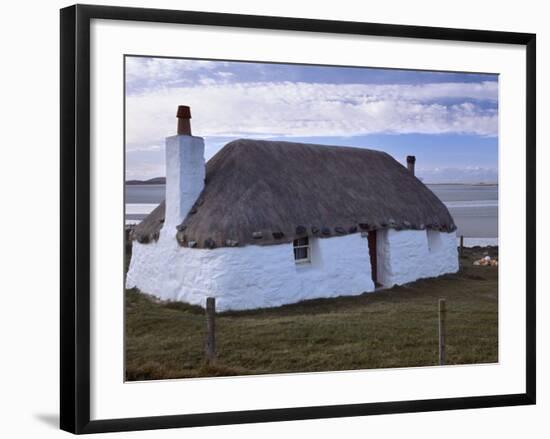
x=314, y=109
x=225, y=74
x=144, y=74
x=467, y=174
x=145, y=170
x=139, y=147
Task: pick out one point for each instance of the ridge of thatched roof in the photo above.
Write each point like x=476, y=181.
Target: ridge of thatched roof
x=268, y=192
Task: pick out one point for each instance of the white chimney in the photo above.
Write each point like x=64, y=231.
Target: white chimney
x=185, y=172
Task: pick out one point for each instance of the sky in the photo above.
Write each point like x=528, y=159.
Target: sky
x=448, y=120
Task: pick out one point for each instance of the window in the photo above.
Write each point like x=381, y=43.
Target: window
x=301, y=250
x=434, y=240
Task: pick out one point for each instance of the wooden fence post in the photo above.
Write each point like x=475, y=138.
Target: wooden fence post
x=210, y=345
x=461, y=245
x=442, y=330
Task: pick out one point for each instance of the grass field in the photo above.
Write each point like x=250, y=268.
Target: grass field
x=397, y=327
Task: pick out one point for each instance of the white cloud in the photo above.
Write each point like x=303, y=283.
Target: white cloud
x=166, y=71
x=313, y=109
x=144, y=170
x=467, y=174
x=144, y=147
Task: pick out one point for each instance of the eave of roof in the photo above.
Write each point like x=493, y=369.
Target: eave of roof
x=262, y=193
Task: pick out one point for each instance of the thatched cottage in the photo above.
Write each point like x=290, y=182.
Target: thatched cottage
x=266, y=223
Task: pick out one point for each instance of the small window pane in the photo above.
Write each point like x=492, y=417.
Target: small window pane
x=300, y=253
x=301, y=241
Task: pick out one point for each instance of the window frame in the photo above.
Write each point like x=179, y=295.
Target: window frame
x=307, y=246
x=433, y=239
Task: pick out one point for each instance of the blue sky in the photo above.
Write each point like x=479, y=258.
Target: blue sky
x=448, y=120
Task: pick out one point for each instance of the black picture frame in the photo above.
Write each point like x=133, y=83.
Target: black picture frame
x=75, y=217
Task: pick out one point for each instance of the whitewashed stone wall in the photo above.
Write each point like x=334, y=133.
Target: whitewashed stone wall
x=185, y=172
x=252, y=276
x=407, y=255
x=266, y=276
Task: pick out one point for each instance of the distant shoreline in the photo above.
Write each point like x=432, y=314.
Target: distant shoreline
x=461, y=184
x=156, y=180
x=162, y=180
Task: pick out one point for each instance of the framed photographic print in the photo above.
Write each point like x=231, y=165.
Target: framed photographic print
x=268, y=218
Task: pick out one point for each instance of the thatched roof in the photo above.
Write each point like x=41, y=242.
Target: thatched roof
x=265, y=192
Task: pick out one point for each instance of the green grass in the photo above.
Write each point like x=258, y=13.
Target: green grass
x=390, y=328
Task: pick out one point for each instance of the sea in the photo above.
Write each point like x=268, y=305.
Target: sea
x=474, y=207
